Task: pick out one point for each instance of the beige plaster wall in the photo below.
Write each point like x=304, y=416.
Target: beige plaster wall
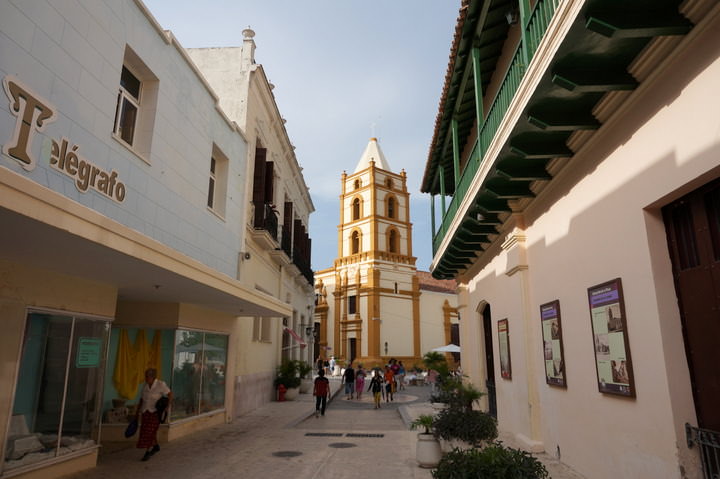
x=598, y=220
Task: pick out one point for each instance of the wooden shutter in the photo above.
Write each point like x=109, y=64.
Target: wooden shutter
x=259, y=186
x=287, y=227
x=269, y=182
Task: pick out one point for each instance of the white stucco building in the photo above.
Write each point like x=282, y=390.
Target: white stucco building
x=127, y=235
x=276, y=248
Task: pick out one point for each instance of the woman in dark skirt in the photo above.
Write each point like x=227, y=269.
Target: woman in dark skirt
x=152, y=390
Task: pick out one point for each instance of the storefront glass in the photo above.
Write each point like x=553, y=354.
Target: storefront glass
x=198, y=373
x=56, y=409
x=213, y=384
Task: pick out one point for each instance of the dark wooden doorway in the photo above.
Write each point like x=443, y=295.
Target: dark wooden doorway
x=353, y=350
x=693, y=231
x=489, y=361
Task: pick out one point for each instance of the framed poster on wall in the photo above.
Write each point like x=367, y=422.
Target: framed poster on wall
x=504, y=349
x=552, y=344
x=610, y=339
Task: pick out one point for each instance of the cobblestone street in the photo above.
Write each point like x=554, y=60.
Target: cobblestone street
x=285, y=439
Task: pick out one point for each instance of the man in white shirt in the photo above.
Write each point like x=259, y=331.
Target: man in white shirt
x=152, y=390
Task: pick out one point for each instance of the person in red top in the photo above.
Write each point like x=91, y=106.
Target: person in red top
x=389, y=384
x=321, y=391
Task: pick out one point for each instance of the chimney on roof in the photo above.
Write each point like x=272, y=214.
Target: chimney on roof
x=248, y=48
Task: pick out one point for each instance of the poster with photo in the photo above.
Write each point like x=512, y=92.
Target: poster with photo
x=504, y=347
x=552, y=344
x=610, y=339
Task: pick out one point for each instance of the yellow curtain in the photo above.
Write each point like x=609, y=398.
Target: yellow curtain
x=142, y=356
x=155, y=349
x=125, y=376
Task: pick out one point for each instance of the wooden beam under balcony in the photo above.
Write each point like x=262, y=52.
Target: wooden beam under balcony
x=473, y=239
x=547, y=146
x=563, y=121
x=641, y=24
x=484, y=216
x=477, y=228
x=509, y=190
x=460, y=253
x=492, y=204
x=600, y=80
x=520, y=169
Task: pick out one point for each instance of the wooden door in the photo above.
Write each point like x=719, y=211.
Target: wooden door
x=693, y=230
x=489, y=361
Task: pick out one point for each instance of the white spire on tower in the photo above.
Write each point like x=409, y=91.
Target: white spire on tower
x=372, y=153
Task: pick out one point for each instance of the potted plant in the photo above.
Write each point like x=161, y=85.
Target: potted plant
x=287, y=375
x=495, y=460
x=306, y=382
x=428, y=452
x=464, y=428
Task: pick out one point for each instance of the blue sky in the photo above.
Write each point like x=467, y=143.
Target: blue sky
x=340, y=66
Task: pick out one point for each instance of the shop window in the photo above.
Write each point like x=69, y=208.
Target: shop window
x=198, y=379
x=192, y=363
x=56, y=408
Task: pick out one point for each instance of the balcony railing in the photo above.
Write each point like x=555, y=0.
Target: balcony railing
x=535, y=29
x=267, y=221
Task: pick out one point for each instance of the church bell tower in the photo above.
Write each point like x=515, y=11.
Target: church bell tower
x=372, y=313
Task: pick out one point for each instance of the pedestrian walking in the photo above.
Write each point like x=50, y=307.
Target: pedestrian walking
x=319, y=363
x=321, y=391
x=376, y=388
x=331, y=365
x=359, y=381
x=389, y=384
x=401, y=376
x=153, y=389
x=349, y=380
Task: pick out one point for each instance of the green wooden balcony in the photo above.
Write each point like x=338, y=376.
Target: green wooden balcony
x=600, y=39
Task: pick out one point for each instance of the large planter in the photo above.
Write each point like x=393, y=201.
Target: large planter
x=428, y=452
x=306, y=386
x=291, y=394
x=449, y=445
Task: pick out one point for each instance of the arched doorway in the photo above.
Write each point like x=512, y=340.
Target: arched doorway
x=489, y=359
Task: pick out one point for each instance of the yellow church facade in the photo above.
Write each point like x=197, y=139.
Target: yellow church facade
x=373, y=304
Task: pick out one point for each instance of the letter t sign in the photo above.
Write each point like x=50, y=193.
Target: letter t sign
x=32, y=112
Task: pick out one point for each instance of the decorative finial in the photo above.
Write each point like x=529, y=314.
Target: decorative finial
x=248, y=33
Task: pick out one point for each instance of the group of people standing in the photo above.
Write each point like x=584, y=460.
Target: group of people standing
x=383, y=384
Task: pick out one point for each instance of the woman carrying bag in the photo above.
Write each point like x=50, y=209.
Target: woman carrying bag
x=153, y=389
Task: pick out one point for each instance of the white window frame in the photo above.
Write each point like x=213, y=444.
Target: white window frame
x=124, y=95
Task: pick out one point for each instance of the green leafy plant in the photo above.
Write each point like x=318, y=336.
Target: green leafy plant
x=424, y=421
x=470, y=426
x=493, y=461
x=434, y=360
x=304, y=368
x=457, y=394
x=287, y=374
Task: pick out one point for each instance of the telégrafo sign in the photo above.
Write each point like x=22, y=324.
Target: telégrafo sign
x=33, y=113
